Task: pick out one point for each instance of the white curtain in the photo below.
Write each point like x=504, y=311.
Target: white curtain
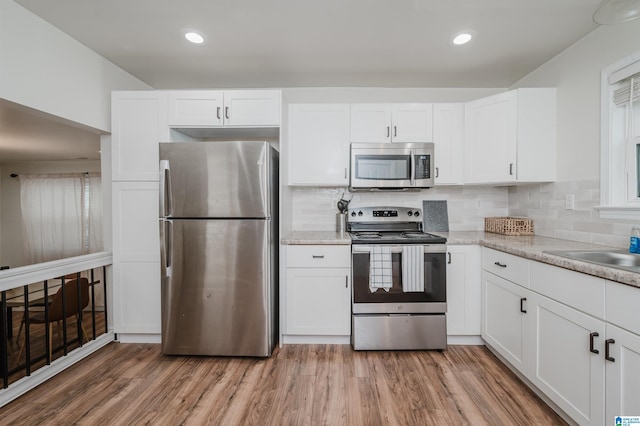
x=61, y=215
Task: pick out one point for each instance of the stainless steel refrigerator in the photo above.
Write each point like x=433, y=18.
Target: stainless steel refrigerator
x=219, y=251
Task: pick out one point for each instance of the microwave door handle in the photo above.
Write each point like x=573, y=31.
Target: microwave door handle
x=411, y=169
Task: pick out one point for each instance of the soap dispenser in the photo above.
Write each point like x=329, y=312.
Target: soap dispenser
x=634, y=240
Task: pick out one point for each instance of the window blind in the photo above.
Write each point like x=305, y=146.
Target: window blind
x=629, y=89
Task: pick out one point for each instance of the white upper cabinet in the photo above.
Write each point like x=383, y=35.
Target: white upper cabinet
x=318, y=144
x=138, y=125
x=511, y=137
x=448, y=137
x=214, y=108
x=378, y=123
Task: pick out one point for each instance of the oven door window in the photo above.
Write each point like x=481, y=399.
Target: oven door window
x=434, y=285
x=383, y=167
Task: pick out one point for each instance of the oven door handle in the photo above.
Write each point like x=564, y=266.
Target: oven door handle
x=429, y=248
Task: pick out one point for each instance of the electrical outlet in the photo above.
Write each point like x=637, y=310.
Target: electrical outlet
x=570, y=202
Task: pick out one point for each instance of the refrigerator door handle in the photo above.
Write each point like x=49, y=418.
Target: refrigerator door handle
x=166, y=209
x=166, y=246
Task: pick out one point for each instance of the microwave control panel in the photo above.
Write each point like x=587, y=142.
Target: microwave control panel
x=422, y=166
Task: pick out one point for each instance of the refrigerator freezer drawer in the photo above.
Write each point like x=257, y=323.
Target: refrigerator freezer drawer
x=399, y=332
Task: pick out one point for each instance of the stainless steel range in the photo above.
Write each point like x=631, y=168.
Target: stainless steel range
x=399, y=280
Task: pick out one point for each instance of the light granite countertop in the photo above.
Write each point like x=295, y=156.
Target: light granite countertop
x=316, y=237
x=533, y=247
x=529, y=247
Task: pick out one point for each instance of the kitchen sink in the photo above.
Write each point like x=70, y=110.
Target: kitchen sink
x=620, y=259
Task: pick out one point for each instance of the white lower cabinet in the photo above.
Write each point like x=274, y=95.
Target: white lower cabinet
x=504, y=319
x=577, y=339
x=318, y=291
x=567, y=363
x=463, y=290
x=318, y=301
x=622, y=373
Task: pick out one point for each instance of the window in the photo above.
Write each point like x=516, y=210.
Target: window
x=620, y=157
x=61, y=215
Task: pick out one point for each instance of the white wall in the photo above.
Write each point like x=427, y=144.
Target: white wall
x=45, y=69
x=576, y=73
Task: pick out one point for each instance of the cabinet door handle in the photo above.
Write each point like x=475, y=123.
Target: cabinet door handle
x=502, y=265
x=218, y=113
x=345, y=172
x=449, y=258
x=592, y=337
x=437, y=171
x=346, y=281
x=395, y=131
x=522, y=309
x=317, y=256
x=388, y=131
x=511, y=169
x=226, y=112
x=608, y=343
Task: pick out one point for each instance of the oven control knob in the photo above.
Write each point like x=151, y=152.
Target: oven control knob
x=360, y=213
x=416, y=214
x=400, y=307
x=353, y=214
x=410, y=213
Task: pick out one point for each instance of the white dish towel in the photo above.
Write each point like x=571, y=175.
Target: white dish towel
x=380, y=273
x=412, y=269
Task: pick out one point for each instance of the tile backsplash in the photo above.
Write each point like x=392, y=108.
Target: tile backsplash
x=545, y=204
x=314, y=208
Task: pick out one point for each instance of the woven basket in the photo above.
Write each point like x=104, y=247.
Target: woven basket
x=509, y=225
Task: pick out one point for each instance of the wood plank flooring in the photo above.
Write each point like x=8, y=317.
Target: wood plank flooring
x=126, y=384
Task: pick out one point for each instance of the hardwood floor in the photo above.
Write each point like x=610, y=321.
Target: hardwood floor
x=126, y=384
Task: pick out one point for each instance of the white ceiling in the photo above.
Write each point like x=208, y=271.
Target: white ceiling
x=285, y=43
x=300, y=43
x=29, y=136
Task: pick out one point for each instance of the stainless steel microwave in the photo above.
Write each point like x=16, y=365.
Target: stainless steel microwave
x=391, y=166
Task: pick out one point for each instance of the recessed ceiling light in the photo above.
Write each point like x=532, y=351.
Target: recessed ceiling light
x=462, y=37
x=194, y=37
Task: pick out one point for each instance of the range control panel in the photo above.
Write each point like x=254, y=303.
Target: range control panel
x=384, y=214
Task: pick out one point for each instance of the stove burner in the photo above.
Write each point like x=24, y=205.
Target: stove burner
x=410, y=234
x=371, y=234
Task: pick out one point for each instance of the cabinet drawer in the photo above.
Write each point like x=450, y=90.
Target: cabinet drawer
x=622, y=303
x=580, y=291
x=319, y=256
x=507, y=266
